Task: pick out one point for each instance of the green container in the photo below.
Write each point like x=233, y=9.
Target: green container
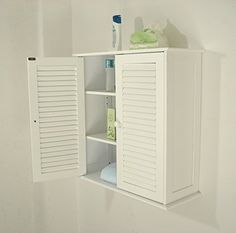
x=111, y=130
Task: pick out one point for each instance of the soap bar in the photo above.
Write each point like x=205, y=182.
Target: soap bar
x=111, y=130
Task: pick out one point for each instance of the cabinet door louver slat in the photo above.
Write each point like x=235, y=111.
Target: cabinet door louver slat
x=138, y=96
x=57, y=122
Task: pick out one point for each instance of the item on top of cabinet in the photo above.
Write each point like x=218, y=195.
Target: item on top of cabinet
x=150, y=37
x=116, y=32
x=111, y=130
x=110, y=75
x=108, y=173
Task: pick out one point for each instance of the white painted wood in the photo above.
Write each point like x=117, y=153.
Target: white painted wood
x=102, y=92
x=137, y=51
x=99, y=153
x=140, y=80
x=101, y=137
x=165, y=108
x=183, y=124
x=95, y=114
x=95, y=72
x=56, y=96
x=94, y=178
x=158, y=107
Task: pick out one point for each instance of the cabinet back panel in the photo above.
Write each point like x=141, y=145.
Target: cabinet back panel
x=97, y=156
x=95, y=75
x=95, y=114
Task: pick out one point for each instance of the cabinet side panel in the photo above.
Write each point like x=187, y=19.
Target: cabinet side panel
x=183, y=123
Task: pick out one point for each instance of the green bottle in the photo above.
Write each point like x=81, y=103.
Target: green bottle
x=111, y=130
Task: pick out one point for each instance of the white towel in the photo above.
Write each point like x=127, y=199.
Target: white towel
x=109, y=173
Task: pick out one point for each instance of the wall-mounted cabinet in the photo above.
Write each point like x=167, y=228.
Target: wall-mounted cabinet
x=158, y=104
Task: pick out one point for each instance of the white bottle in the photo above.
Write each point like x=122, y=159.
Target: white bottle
x=116, y=32
x=110, y=75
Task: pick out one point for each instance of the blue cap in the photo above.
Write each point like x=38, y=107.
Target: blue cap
x=109, y=63
x=117, y=18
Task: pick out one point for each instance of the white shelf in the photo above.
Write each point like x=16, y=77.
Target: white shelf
x=95, y=179
x=101, y=137
x=102, y=92
x=112, y=53
x=135, y=51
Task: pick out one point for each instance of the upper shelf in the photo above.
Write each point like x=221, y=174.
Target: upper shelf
x=133, y=51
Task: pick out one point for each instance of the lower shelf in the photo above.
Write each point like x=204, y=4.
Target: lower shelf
x=101, y=137
x=95, y=179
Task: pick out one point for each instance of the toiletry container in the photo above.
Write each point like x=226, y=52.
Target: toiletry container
x=110, y=75
x=116, y=32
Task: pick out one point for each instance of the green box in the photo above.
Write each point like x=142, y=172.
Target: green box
x=111, y=130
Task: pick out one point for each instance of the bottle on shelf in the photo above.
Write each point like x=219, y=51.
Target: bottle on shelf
x=111, y=130
x=110, y=75
x=116, y=32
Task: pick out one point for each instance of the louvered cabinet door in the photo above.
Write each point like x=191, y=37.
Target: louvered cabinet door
x=56, y=94
x=140, y=124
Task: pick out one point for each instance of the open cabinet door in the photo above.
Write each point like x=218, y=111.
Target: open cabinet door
x=56, y=97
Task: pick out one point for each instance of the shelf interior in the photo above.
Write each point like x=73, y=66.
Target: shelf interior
x=100, y=151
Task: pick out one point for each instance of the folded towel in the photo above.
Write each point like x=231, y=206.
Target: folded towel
x=144, y=46
x=109, y=173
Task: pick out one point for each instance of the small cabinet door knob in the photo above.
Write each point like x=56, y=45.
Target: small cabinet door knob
x=117, y=124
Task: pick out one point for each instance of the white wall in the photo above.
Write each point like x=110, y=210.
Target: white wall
x=18, y=21
x=92, y=25
x=55, y=25
x=205, y=23
x=29, y=28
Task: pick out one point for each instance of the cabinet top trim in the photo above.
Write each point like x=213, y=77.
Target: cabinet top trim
x=135, y=51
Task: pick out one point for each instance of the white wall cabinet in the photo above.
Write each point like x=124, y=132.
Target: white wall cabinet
x=158, y=121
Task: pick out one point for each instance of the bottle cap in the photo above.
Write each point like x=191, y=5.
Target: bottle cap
x=109, y=63
x=117, y=19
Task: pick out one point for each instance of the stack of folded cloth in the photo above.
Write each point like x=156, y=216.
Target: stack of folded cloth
x=109, y=173
x=143, y=39
x=148, y=38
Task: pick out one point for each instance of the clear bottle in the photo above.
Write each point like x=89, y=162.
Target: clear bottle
x=110, y=75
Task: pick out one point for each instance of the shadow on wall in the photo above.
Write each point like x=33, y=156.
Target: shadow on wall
x=176, y=39
x=138, y=24
x=204, y=208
